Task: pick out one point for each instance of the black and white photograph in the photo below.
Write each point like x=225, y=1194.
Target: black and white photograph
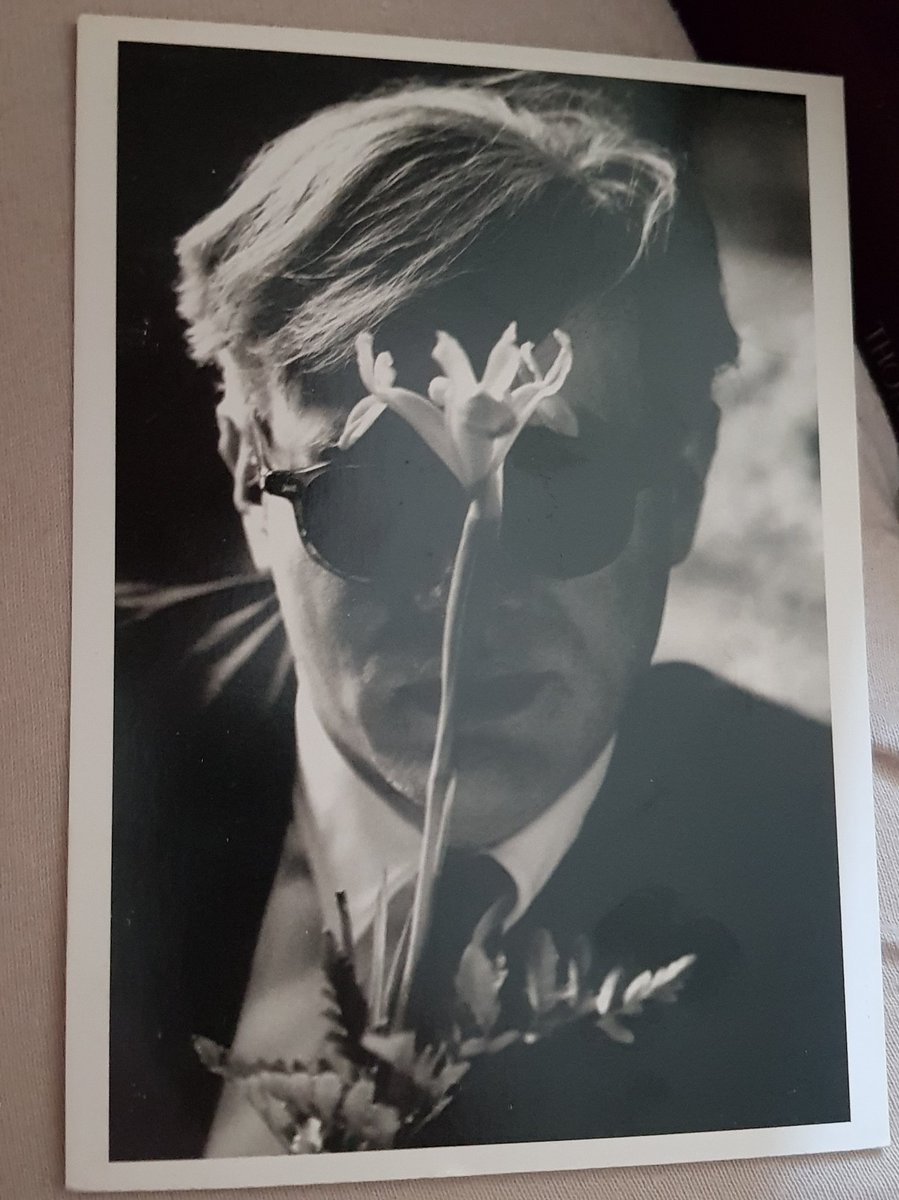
x=477, y=756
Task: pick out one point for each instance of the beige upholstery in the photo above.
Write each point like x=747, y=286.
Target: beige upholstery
x=36, y=132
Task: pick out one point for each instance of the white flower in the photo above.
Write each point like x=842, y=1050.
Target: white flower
x=469, y=423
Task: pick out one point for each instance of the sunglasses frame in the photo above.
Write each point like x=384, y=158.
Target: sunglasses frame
x=292, y=484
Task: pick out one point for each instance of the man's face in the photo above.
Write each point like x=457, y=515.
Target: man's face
x=549, y=661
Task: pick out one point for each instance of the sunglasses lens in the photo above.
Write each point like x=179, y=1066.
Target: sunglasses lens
x=370, y=524
x=344, y=522
x=566, y=516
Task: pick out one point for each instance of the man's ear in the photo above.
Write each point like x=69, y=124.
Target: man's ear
x=694, y=460
x=236, y=449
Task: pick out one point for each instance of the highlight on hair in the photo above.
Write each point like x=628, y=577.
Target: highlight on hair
x=344, y=220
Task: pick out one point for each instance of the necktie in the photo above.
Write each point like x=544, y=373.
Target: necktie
x=468, y=886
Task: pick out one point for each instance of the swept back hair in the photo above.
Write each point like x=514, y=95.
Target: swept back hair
x=343, y=220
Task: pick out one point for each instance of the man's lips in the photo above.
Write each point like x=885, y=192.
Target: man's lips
x=479, y=699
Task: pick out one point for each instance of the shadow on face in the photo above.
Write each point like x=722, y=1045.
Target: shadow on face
x=566, y=608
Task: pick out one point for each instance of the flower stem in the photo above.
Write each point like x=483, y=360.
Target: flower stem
x=481, y=519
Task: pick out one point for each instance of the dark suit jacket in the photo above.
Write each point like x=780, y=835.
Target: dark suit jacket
x=713, y=834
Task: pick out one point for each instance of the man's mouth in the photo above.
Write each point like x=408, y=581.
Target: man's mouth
x=480, y=699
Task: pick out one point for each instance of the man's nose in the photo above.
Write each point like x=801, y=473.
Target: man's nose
x=497, y=582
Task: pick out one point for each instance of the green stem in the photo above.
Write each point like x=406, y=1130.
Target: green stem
x=482, y=514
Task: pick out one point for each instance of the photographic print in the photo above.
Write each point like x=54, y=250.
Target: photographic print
x=470, y=763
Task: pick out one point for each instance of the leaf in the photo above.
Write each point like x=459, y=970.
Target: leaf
x=346, y=926
x=478, y=982
x=214, y=1057
x=378, y=972
x=612, y=1027
x=541, y=986
x=357, y=1100
x=220, y=1061
x=449, y=1075
x=296, y=1090
x=381, y=1125
x=274, y=1112
x=503, y=1041
x=671, y=976
x=326, y=1092
x=350, y=999
x=397, y=1049
x=396, y=962
x=583, y=956
x=439, y=1087
x=571, y=991
x=368, y=1124
x=636, y=991
x=606, y=992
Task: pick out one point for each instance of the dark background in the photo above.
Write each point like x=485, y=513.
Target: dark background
x=190, y=118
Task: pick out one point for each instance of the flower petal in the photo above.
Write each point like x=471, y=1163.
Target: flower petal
x=558, y=372
x=525, y=399
x=294, y=1089
x=449, y=355
x=556, y=414
x=528, y=360
x=613, y=1028
x=502, y=364
x=477, y=426
x=428, y=422
x=326, y=1091
x=440, y=390
x=360, y=420
x=385, y=375
x=356, y=1103
x=637, y=988
x=607, y=991
x=365, y=360
x=484, y=416
x=521, y=404
x=381, y=1126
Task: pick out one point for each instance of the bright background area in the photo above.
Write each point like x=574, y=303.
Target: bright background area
x=748, y=603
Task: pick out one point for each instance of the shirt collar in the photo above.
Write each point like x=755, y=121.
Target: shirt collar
x=360, y=841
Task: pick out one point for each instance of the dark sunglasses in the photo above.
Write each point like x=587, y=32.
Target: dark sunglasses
x=389, y=510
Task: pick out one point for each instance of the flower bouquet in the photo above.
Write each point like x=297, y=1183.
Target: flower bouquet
x=381, y=1075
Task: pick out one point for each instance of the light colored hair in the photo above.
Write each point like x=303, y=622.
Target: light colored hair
x=344, y=220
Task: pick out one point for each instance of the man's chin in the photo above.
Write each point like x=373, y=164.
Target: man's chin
x=500, y=788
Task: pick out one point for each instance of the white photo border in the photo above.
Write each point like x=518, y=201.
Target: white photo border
x=90, y=807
